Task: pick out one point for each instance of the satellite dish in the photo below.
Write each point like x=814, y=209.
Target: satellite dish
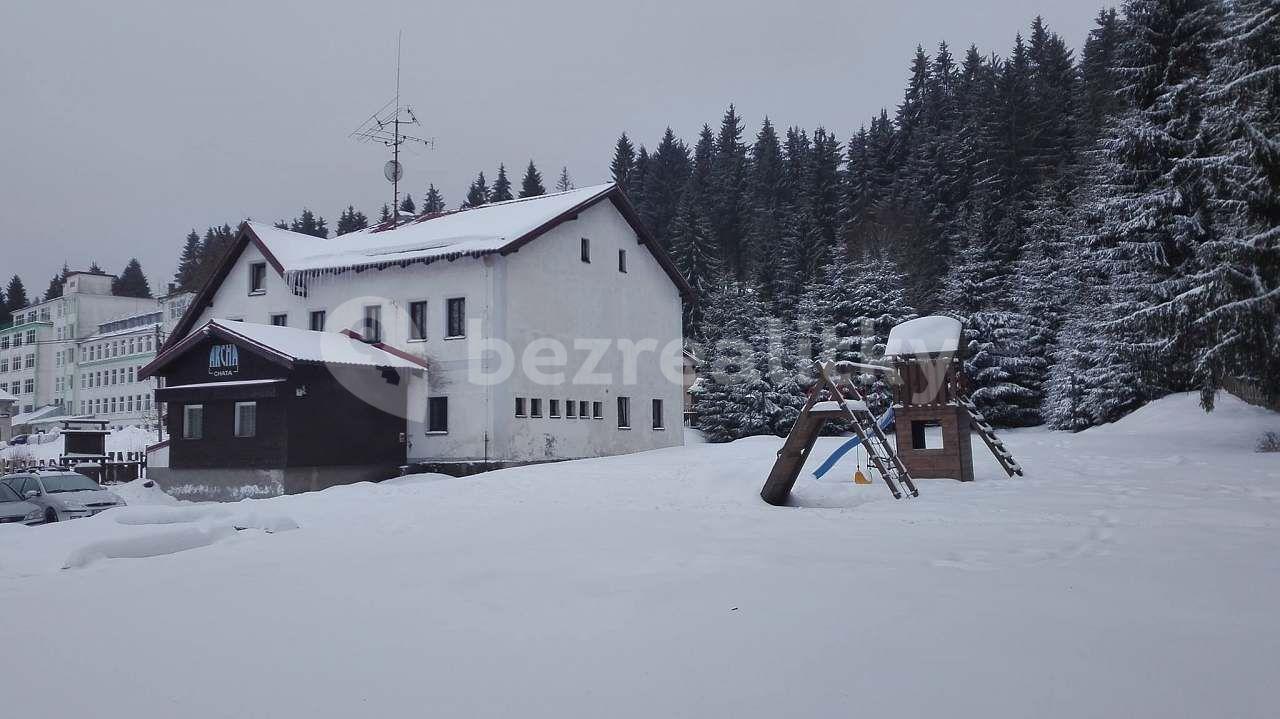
x=393, y=170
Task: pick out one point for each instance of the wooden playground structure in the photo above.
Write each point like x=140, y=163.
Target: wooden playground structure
x=932, y=414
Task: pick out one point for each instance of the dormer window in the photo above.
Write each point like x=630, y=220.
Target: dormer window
x=258, y=278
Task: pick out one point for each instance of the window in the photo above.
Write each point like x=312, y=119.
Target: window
x=438, y=414
x=622, y=260
x=192, y=421
x=417, y=320
x=519, y=406
x=280, y=320
x=584, y=409
x=317, y=321
x=658, y=421
x=258, y=278
x=372, y=323
x=553, y=408
x=246, y=419
x=456, y=315
x=624, y=412
x=570, y=409
x=535, y=407
x=586, y=250
x=926, y=435
x=597, y=410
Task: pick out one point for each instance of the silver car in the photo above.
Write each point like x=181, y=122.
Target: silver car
x=62, y=494
x=14, y=509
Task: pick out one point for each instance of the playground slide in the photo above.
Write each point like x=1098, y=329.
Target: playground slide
x=885, y=420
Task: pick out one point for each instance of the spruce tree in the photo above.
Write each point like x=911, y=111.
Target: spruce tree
x=384, y=215
x=623, y=165
x=433, y=202
x=734, y=396
x=309, y=223
x=564, y=183
x=1234, y=299
x=501, y=186
x=351, y=220
x=1158, y=219
x=477, y=193
x=131, y=282
x=531, y=185
x=188, y=264
x=695, y=254
x=407, y=205
x=15, y=296
x=728, y=193
x=56, y=283
x=666, y=173
x=766, y=205
x=1099, y=99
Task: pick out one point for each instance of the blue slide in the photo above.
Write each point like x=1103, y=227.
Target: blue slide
x=885, y=420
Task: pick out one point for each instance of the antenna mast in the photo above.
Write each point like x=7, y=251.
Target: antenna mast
x=383, y=127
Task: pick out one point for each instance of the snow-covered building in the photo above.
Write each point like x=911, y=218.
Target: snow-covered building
x=38, y=358
x=551, y=325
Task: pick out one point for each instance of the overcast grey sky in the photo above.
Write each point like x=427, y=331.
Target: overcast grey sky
x=125, y=124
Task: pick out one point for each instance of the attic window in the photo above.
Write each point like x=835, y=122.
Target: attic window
x=258, y=278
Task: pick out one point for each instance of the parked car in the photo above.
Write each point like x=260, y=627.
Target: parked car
x=14, y=509
x=62, y=494
x=18, y=439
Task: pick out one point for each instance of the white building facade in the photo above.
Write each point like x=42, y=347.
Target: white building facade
x=551, y=326
x=80, y=351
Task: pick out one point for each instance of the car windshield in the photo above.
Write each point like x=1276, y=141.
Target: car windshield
x=69, y=482
x=8, y=495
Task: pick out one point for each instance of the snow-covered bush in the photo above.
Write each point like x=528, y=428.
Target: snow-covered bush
x=1269, y=442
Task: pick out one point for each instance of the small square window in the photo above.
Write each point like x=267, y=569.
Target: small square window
x=553, y=408
x=597, y=410
x=520, y=407
x=584, y=409
x=257, y=278
x=586, y=250
x=570, y=409
x=438, y=414
x=622, y=260
x=316, y=321
x=280, y=320
x=535, y=407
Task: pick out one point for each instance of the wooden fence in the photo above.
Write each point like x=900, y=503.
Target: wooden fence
x=1252, y=393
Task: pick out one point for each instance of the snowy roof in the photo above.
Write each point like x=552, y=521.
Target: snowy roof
x=476, y=231
x=293, y=344
x=38, y=414
x=934, y=334
x=311, y=346
x=6, y=397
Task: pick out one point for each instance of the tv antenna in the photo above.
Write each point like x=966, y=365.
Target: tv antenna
x=384, y=126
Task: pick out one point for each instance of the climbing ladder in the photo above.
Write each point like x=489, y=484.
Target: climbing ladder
x=984, y=430
x=815, y=413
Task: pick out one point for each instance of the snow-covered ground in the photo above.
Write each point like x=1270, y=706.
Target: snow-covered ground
x=49, y=445
x=1134, y=572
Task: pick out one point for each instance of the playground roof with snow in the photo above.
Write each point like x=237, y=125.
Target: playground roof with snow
x=931, y=335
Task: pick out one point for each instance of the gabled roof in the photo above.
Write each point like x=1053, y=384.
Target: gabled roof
x=497, y=228
x=289, y=345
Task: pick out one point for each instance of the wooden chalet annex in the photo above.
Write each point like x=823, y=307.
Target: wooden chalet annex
x=275, y=407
